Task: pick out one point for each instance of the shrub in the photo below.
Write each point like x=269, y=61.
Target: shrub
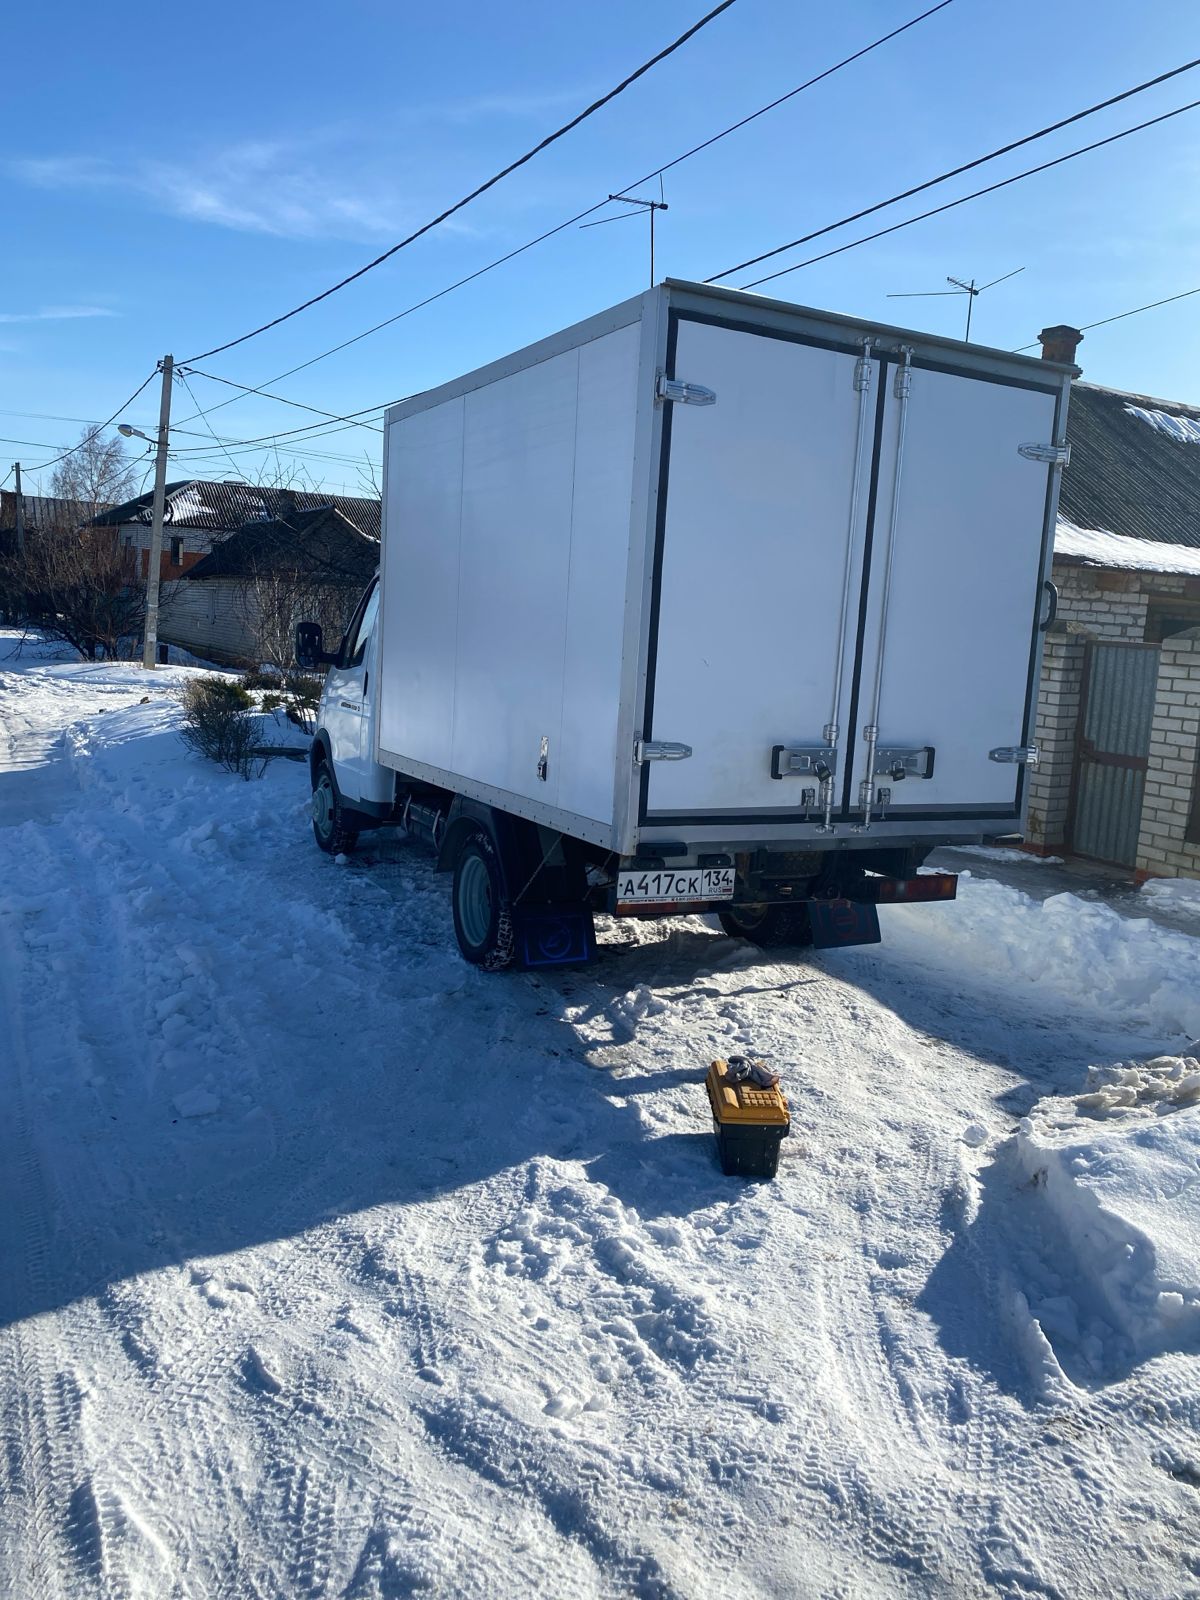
x=302, y=696
x=259, y=678
x=218, y=723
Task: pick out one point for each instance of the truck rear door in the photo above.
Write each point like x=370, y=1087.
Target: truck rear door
x=754, y=522
x=788, y=500
x=952, y=599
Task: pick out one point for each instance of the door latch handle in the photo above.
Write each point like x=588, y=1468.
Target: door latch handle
x=659, y=750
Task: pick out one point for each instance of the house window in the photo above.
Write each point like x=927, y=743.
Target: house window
x=176, y=552
x=1192, y=832
x=1168, y=614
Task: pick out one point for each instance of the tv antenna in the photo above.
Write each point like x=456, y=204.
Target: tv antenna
x=970, y=289
x=646, y=207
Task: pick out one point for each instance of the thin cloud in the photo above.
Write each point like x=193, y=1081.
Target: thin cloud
x=288, y=189
x=57, y=314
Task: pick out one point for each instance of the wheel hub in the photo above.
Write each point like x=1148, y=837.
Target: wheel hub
x=322, y=807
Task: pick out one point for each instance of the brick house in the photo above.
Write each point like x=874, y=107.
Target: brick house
x=1118, y=722
x=239, y=604
x=198, y=515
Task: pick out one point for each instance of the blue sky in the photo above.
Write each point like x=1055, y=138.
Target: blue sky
x=172, y=177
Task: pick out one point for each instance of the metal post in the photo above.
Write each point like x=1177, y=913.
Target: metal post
x=871, y=730
x=156, y=524
x=20, y=511
x=833, y=732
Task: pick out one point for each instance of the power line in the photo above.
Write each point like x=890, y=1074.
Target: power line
x=955, y=172
x=41, y=466
x=248, y=388
x=208, y=424
x=974, y=195
x=1120, y=316
x=482, y=188
x=599, y=205
x=314, y=430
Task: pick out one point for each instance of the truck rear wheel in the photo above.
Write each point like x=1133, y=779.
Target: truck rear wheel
x=482, y=919
x=328, y=814
x=772, y=927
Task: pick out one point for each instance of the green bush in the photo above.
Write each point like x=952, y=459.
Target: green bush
x=218, y=723
x=260, y=678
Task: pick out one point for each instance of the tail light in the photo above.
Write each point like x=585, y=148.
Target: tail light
x=897, y=891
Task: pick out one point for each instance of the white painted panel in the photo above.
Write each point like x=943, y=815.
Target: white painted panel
x=518, y=464
x=756, y=527
x=965, y=581
x=600, y=529
x=420, y=603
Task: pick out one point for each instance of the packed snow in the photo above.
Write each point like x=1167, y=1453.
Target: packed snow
x=1094, y=547
x=1180, y=895
x=331, y=1266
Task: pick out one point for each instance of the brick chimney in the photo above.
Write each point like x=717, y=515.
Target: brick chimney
x=1060, y=343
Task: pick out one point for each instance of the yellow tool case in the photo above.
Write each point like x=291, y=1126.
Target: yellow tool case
x=749, y=1122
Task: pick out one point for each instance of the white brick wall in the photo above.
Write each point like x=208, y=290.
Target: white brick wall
x=1163, y=848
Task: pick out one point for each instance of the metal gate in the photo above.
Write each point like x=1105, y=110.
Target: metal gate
x=1111, y=750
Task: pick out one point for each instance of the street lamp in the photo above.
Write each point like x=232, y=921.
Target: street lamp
x=127, y=431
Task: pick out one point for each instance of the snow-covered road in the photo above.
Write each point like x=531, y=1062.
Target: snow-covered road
x=330, y=1266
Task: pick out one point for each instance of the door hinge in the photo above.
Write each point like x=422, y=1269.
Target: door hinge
x=659, y=750
x=1054, y=455
x=685, y=394
x=1023, y=755
x=803, y=761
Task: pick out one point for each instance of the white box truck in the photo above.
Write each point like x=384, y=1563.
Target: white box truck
x=708, y=603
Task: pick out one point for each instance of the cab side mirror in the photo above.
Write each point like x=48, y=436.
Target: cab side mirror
x=310, y=652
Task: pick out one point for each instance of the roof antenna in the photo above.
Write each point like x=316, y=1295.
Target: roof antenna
x=969, y=289
x=647, y=206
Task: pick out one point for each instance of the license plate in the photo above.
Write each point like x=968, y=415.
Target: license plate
x=679, y=886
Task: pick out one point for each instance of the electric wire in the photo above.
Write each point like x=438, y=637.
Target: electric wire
x=991, y=188
x=482, y=188
x=1120, y=316
x=313, y=430
x=956, y=172
x=209, y=426
x=249, y=388
x=599, y=205
x=40, y=466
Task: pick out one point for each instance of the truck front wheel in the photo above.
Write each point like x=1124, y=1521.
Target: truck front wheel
x=328, y=814
x=482, y=919
x=772, y=927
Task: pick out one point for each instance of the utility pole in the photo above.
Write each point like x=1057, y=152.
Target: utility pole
x=20, y=512
x=156, y=525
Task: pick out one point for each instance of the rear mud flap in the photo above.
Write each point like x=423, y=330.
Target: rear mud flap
x=836, y=923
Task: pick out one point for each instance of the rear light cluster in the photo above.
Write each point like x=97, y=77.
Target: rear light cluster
x=892, y=891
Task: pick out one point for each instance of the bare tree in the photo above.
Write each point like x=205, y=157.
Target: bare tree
x=79, y=585
x=97, y=474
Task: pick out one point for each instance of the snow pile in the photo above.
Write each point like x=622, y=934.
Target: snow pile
x=1095, y=547
x=999, y=853
x=1180, y=895
x=1114, y=1171
x=1062, y=950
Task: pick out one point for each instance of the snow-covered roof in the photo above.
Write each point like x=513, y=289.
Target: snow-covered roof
x=1095, y=547
x=1135, y=466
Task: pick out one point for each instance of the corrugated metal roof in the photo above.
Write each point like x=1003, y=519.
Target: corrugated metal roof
x=1135, y=465
x=219, y=508
x=43, y=510
x=321, y=544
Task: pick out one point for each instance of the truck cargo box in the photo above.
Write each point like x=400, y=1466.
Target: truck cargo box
x=719, y=571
